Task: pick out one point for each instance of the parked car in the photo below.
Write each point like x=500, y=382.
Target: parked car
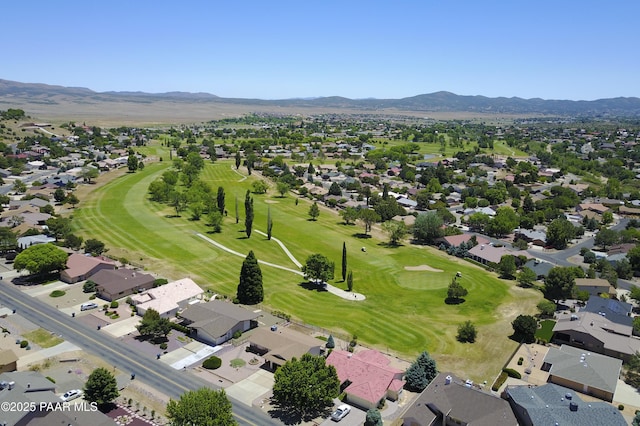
x=340, y=413
x=71, y=395
x=87, y=306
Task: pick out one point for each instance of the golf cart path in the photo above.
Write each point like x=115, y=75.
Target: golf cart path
x=348, y=295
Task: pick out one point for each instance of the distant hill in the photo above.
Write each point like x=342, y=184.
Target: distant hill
x=15, y=93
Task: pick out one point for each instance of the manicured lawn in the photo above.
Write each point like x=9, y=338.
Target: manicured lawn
x=42, y=338
x=404, y=311
x=546, y=330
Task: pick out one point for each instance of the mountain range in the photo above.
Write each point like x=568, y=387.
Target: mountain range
x=43, y=95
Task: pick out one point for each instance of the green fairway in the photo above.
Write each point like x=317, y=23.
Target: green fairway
x=404, y=311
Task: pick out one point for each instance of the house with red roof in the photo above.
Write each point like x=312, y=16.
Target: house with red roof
x=366, y=377
x=81, y=267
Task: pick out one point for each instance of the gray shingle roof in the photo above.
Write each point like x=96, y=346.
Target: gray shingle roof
x=548, y=405
x=595, y=370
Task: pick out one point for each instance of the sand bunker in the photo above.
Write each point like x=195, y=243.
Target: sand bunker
x=422, y=268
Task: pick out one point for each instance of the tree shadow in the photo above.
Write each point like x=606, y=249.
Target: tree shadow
x=454, y=300
x=310, y=285
x=171, y=216
x=35, y=279
x=293, y=416
x=390, y=245
x=361, y=235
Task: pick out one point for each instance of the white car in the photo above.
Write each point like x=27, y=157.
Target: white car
x=340, y=413
x=71, y=395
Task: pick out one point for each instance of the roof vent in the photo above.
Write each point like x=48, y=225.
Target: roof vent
x=568, y=396
x=573, y=406
x=447, y=380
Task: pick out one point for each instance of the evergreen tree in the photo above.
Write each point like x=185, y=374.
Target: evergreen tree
x=101, y=387
x=237, y=215
x=350, y=281
x=374, y=418
x=421, y=372
x=269, y=223
x=330, y=342
x=344, y=261
x=248, y=212
x=250, y=289
x=220, y=200
x=238, y=160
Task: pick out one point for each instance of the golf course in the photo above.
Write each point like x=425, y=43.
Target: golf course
x=405, y=287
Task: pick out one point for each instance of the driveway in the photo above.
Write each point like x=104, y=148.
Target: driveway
x=252, y=388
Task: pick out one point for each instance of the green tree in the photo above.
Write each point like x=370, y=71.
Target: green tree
x=330, y=342
x=507, y=266
x=19, y=187
x=132, y=163
x=559, y=283
x=636, y=420
x=72, y=199
x=606, y=237
x=89, y=286
x=248, y=213
x=559, y=233
x=368, y=217
x=318, y=268
x=314, y=211
x=260, y=187
x=467, y=332
x=59, y=195
x=428, y=227
x=101, y=387
x=220, y=200
x=305, y=387
x=547, y=308
x=238, y=160
x=349, y=215
x=250, y=289
x=59, y=227
x=335, y=189
x=396, y=230
x=202, y=407
x=373, y=418
x=344, y=261
x=89, y=173
x=282, y=188
x=455, y=292
x=526, y=277
x=237, y=214
x=8, y=239
x=503, y=223
x=524, y=328
x=41, y=259
x=215, y=220
x=94, y=247
x=153, y=326
x=421, y=373
x=350, y=281
x=269, y=223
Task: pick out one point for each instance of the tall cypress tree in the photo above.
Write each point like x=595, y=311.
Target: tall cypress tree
x=344, y=261
x=269, y=223
x=237, y=215
x=250, y=289
x=248, y=211
x=238, y=160
x=220, y=200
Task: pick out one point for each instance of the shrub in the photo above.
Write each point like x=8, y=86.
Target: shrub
x=114, y=304
x=159, y=281
x=24, y=344
x=212, y=363
x=520, y=361
x=92, y=297
x=236, y=301
x=620, y=407
x=237, y=334
x=512, y=373
x=57, y=293
x=89, y=286
x=179, y=327
x=50, y=379
x=163, y=345
x=499, y=381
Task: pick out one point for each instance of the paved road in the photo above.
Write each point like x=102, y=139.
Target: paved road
x=561, y=257
x=154, y=373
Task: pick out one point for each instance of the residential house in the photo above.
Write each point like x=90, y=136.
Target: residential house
x=596, y=333
x=456, y=240
x=614, y=310
x=26, y=242
x=595, y=286
x=551, y=404
x=594, y=207
x=488, y=253
x=280, y=344
x=408, y=220
x=216, y=322
x=366, y=377
x=586, y=372
x=80, y=267
x=112, y=284
x=168, y=299
x=448, y=401
x=537, y=238
x=32, y=389
x=540, y=267
x=8, y=361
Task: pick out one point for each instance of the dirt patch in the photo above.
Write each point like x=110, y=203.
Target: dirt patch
x=271, y=202
x=422, y=268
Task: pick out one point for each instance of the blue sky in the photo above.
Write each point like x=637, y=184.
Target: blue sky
x=580, y=50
